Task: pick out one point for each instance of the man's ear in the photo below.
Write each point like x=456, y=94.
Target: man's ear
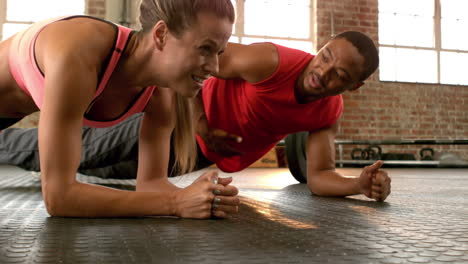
x=357, y=85
x=160, y=32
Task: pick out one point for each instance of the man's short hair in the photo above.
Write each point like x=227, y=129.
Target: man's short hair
x=366, y=48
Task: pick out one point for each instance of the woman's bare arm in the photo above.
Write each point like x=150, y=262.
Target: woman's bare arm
x=71, y=72
x=154, y=144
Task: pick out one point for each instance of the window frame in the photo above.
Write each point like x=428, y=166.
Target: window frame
x=239, y=32
x=4, y=11
x=437, y=47
x=2, y=16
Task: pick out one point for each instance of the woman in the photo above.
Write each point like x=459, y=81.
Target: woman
x=81, y=70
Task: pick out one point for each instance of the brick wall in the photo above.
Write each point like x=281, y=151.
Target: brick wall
x=387, y=110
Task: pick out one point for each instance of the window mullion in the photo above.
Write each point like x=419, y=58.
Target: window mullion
x=2, y=16
x=240, y=6
x=313, y=25
x=438, y=35
x=247, y=31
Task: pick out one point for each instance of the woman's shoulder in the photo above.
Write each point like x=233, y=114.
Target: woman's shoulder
x=82, y=37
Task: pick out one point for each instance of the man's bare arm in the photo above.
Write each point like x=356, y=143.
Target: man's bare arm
x=324, y=180
x=252, y=63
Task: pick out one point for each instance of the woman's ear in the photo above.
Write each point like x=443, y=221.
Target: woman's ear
x=160, y=32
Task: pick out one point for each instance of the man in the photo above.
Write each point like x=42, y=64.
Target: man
x=261, y=93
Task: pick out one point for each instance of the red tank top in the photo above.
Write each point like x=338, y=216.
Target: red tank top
x=263, y=113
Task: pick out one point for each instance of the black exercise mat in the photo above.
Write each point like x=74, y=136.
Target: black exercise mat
x=425, y=220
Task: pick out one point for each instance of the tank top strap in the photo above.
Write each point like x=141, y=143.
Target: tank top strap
x=122, y=38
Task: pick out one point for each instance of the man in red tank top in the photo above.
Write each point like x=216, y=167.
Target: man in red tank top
x=262, y=93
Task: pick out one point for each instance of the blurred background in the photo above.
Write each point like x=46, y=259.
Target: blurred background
x=419, y=92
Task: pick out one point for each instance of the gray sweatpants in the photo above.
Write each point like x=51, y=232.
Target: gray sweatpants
x=107, y=152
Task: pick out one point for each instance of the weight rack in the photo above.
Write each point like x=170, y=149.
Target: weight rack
x=407, y=163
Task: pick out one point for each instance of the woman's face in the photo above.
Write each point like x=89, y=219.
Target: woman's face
x=194, y=56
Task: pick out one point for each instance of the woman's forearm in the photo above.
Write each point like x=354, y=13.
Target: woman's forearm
x=156, y=185
x=87, y=200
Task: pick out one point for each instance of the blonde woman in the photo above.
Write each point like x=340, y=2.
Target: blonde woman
x=82, y=70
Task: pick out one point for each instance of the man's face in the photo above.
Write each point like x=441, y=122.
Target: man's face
x=336, y=68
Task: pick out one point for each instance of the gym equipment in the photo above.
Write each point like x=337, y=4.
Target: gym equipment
x=359, y=154
x=428, y=157
x=424, y=156
x=374, y=152
x=297, y=157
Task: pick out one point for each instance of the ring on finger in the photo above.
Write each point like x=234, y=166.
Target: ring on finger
x=213, y=211
x=215, y=203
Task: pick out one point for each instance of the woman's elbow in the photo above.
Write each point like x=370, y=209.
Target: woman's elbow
x=54, y=200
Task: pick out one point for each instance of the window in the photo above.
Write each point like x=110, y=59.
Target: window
x=16, y=15
x=423, y=41
x=285, y=22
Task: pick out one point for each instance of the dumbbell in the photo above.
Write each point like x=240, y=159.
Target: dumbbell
x=426, y=154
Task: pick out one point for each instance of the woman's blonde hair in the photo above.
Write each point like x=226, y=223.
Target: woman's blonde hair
x=179, y=15
x=185, y=152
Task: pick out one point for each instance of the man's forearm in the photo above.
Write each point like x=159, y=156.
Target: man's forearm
x=332, y=183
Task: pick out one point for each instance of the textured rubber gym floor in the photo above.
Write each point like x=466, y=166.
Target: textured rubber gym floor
x=425, y=220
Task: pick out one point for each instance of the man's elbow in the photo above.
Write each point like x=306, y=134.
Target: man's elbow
x=313, y=186
x=318, y=186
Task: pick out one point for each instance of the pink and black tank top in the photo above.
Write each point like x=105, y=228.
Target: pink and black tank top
x=29, y=77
